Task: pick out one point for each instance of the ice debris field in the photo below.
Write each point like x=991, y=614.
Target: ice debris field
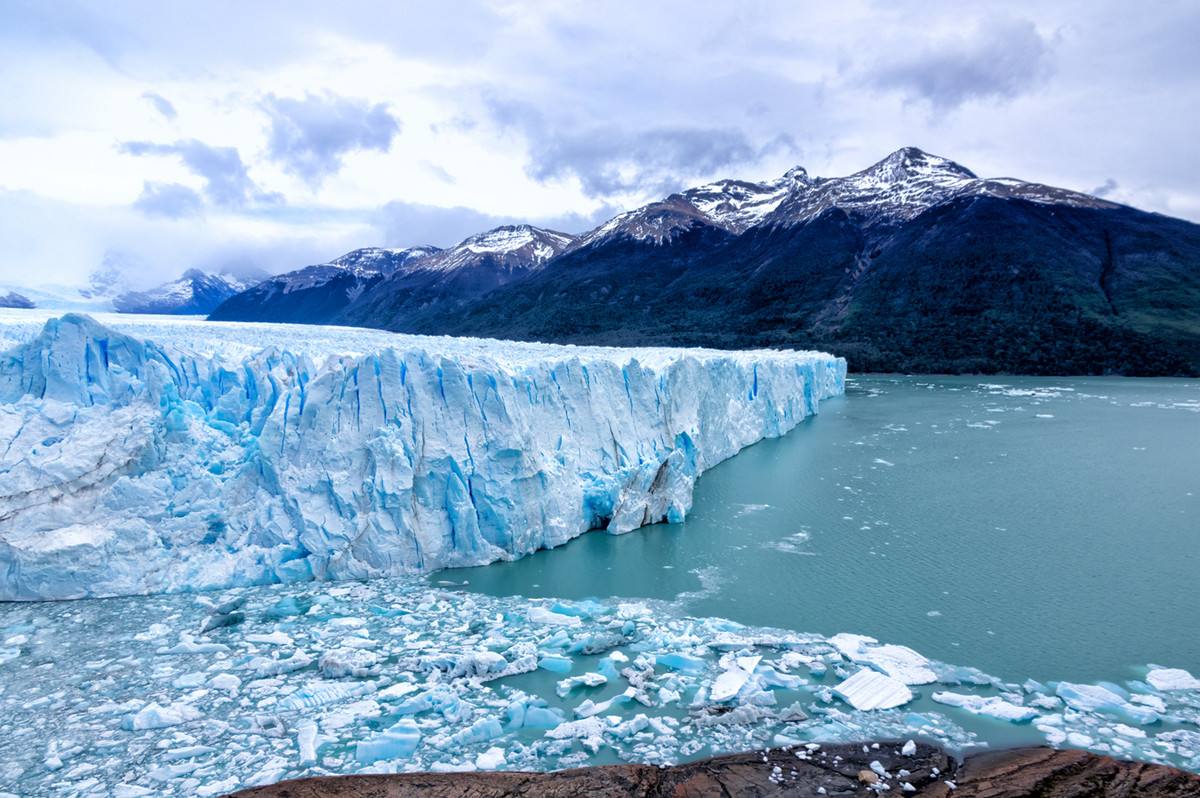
x=143, y=455
x=179, y=694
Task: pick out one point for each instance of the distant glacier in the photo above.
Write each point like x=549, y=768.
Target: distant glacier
x=155, y=455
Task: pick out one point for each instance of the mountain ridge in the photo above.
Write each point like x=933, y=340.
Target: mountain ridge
x=912, y=264
x=195, y=293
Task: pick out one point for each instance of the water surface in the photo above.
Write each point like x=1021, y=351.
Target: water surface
x=1030, y=527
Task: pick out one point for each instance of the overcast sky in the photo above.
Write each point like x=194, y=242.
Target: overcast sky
x=158, y=137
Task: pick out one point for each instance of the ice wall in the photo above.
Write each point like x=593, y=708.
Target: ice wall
x=206, y=458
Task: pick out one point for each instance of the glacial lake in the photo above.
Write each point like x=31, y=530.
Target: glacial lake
x=1036, y=539
x=1043, y=528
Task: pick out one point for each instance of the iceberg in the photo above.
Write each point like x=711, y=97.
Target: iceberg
x=396, y=742
x=868, y=689
x=899, y=662
x=1172, y=679
x=1103, y=701
x=146, y=456
x=990, y=706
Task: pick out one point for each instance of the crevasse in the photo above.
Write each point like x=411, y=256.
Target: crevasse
x=203, y=459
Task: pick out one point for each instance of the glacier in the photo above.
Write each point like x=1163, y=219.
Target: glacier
x=157, y=455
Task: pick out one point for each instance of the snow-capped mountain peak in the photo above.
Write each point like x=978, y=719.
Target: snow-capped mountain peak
x=381, y=260
x=105, y=282
x=911, y=163
x=731, y=205
x=517, y=244
x=904, y=185
x=738, y=205
x=195, y=292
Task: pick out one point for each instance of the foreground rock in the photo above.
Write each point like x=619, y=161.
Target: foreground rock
x=828, y=770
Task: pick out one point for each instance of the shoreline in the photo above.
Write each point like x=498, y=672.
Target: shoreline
x=835, y=769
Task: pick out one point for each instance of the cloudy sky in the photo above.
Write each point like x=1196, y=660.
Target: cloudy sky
x=229, y=135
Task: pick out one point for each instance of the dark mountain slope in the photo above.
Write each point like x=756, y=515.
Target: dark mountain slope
x=14, y=300
x=449, y=279
x=316, y=294
x=912, y=264
x=974, y=284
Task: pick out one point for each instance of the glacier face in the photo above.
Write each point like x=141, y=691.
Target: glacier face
x=153, y=456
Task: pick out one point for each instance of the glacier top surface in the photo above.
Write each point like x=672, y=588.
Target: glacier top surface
x=236, y=340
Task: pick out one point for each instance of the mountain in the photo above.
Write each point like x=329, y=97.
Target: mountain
x=372, y=283
x=315, y=294
x=450, y=279
x=195, y=293
x=105, y=282
x=728, y=206
x=914, y=264
x=14, y=300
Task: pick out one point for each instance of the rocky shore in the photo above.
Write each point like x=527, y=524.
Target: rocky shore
x=825, y=770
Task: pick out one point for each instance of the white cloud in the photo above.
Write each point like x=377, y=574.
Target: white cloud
x=614, y=103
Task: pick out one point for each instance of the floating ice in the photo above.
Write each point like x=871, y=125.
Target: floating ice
x=584, y=680
x=899, y=662
x=1172, y=679
x=868, y=689
x=397, y=742
x=992, y=706
x=1101, y=700
x=445, y=696
x=153, y=716
x=490, y=759
x=733, y=678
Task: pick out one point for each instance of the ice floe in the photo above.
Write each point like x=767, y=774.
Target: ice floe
x=395, y=675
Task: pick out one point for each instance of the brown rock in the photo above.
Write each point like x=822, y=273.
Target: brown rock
x=1048, y=773
x=840, y=769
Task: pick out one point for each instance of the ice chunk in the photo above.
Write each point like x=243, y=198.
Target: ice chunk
x=589, y=731
x=396, y=742
x=584, y=680
x=491, y=759
x=899, y=662
x=308, y=742
x=129, y=791
x=909, y=748
x=480, y=731
x=342, y=662
x=1101, y=700
x=225, y=681
x=1168, y=679
x=543, y=615
x=319, y=694
x=733, y=679
x=555, y=663
x=1154, y=702
x=479, y=663
x=991, y=706
x=154, y=716
x=440, y=698
x=868, y=689
x=265, y=666
x=189, y=680
x=682, y=662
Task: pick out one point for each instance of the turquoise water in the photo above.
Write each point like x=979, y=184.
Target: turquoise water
x=1043, y=529
x=1046, y=528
